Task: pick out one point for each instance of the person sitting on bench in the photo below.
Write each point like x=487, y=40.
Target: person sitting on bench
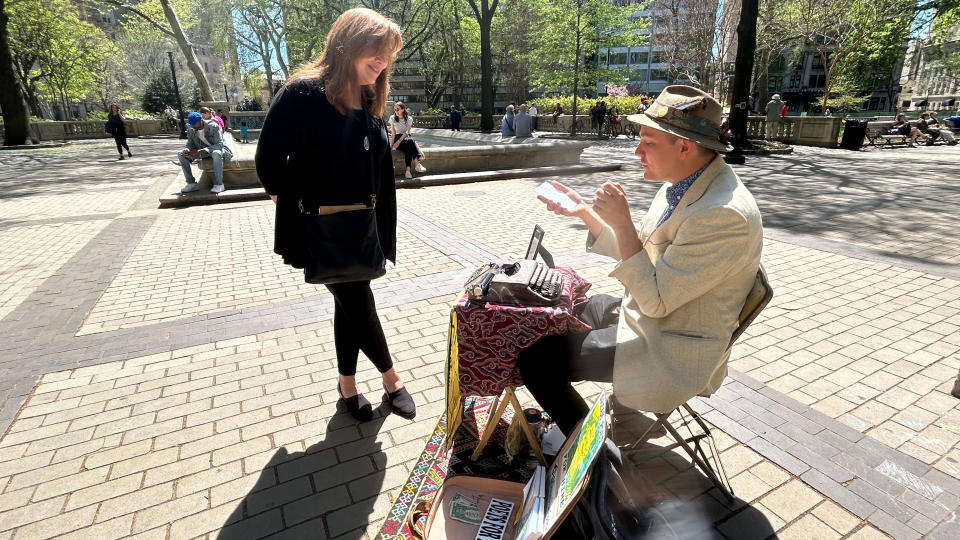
x=903, y=127
x=686, y=272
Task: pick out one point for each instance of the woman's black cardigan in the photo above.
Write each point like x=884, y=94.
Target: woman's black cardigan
x=308, y=151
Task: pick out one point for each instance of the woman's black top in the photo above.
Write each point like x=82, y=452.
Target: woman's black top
x=308, y=151
x=115, y=125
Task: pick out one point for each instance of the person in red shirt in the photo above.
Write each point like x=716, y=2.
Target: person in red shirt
x=783, y=111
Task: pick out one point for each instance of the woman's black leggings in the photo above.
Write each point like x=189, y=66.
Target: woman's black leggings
x=356, y=327
x=121, y=140
x=409, y=149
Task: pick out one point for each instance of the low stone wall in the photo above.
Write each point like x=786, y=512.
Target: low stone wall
x=823, y=131
x=74, y=130
x=544, y=122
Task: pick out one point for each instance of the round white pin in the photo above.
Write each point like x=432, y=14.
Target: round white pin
x=366, y=144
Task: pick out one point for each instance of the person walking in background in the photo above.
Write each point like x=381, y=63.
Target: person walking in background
x=455, y=118
x=774, y=108
x=329, y=112
x=244, y=131
x=204, y=141
x=401, y=127
x=117, y=128
x=533, y=114
x=783, y=110
x=506, y=125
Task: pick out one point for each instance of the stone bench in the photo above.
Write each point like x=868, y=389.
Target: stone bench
x=878, y=132
x=487, y=157
x=241, y=171
x=238, y=172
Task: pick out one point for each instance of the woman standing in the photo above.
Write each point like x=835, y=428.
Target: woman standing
x=401, y=125
x=118, y=129
x=323, y=143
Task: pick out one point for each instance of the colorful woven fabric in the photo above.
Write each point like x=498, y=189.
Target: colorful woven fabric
x=490, y=336
x=435, y=464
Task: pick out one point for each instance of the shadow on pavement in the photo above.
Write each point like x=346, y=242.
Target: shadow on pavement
x=312, y=487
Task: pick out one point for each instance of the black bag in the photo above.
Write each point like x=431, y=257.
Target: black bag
x=342, y=241
x=618, y=504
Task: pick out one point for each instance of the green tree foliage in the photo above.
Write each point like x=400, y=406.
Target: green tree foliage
x=158, y=92
x=573, y=33
x=57, y=56
x=843, y=32
x=944, y=40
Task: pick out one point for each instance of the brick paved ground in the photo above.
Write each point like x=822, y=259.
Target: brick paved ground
x=162, y=375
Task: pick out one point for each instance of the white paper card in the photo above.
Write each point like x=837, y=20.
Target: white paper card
x=552, y=194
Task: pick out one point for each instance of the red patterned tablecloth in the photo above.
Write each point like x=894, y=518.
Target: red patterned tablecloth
x=490, y=336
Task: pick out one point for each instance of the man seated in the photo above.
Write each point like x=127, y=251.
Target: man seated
x=934, y=125
x=523, y=123
x=686, y=271
x=204, y=141
x=923, y=126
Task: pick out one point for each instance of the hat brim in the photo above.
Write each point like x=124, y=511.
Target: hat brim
x=644, y=120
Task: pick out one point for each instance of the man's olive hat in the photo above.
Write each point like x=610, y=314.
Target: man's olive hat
x=688, y=113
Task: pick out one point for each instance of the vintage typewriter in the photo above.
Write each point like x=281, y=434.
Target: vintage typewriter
x=525, y=282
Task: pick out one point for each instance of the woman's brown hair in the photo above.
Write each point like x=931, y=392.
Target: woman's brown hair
x=356, y=32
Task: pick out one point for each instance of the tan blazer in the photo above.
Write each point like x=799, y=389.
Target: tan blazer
x=684, y=291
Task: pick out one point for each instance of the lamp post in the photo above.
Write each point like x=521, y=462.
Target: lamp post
x=176, y=91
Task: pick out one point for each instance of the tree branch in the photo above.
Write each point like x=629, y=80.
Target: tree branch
x=143, y=16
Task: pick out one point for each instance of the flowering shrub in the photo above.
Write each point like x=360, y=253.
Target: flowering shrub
x=617, y=91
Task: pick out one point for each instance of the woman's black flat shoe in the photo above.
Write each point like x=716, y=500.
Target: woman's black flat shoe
x=401, y=402
x=357, y=406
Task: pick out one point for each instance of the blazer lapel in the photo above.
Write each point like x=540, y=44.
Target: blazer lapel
x=693, y=194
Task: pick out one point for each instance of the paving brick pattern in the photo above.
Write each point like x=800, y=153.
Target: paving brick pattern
x=225, y=262
x=220, y=420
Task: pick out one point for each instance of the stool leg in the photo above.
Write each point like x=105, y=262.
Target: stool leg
x=700, y=463
x=491, y=425
x=518, y=410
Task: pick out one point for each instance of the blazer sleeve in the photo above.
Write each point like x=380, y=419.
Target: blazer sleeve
x=705, y=249
x=605, y=244
x=275, y=141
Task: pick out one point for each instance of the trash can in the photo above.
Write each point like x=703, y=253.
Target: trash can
x=854, y=132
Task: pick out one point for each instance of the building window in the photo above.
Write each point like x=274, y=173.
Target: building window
x=817, y=62
x=817, y=81
x=638, y=75
x=638, y=58
x=618, y=58
x=795, y=79
x=658, y=75
x=656, y=57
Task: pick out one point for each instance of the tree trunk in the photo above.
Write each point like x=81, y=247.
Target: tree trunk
x=826, y=83
x=187, y=49
x=576, y=72
x=486, y=75
x=743, y=73
x=15, y=120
